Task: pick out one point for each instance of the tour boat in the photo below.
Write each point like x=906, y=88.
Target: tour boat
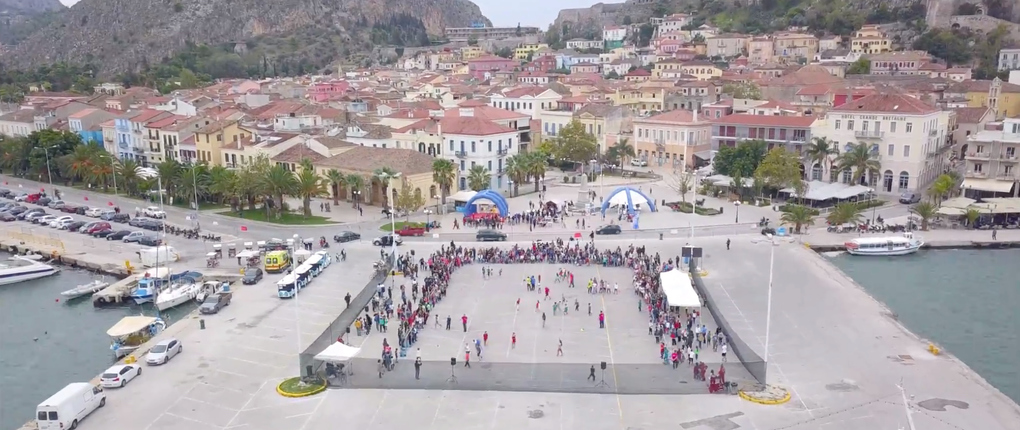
x=177, y=295
x=21, y=269
x=85, y=289
x=131, y=332
x=885, y=246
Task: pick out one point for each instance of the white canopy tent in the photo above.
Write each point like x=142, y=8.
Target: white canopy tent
x=338, y=352
x=679, y=290
x=463, y=196
x=620, y=198
x=820, y=191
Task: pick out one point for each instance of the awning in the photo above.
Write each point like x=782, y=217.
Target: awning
x=679, y=291
x=957, y=203
x=463, y=196
x=130, y=325
x=705, y=155
x=950, y=211
x=338, y=352
x=820, y=191
x=990, y=185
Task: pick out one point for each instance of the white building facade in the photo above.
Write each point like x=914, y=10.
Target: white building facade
x=529, y=101
x=991, y=157
x=474, y=142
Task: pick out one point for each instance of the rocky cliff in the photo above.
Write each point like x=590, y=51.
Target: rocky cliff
x=29, y=7
x=123, y=35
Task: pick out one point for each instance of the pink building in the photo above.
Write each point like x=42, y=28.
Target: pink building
x=483, y=67
x=324, y=91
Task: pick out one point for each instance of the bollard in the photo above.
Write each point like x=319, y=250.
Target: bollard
x=201, y=324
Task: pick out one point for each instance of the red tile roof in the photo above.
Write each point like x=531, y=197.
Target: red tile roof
x=679, y=116
x=484, y=112
x=473, y=126
x=887, y=103
x=767, y=120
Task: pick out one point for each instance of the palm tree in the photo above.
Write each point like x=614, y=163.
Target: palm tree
x=972, y=216
x=941, y=188
x=444, y=172
x=309, y=184
x=620, y=152
x=821, y=151
x=169, y=173
x=799, y=216
x=195, y=182
x=277, y=183
x=355, y=183
x=860, y=161
x=845, y=213
x=101, y=169
x=127, y=171
x=926, y=211
x=223, y=186
x=536, y=167
x=516, y=170
x=336, y=180
x=384, y=175
x=479, y=178
x=78, y=164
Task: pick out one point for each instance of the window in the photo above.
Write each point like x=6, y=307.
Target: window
x=451, y=145
x=892, y=127
x=490, y=146
x=904, y=181
x=979, y=167
x=906, y=150
x=910, y=127
x=850, y=125
x=892, y=150
x=489, y=168
x=461, y=165
x=472, y=146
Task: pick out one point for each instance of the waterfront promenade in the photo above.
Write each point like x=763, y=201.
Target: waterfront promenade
x=836, y=349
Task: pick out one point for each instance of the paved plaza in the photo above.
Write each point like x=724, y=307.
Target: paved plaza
x=630, y=353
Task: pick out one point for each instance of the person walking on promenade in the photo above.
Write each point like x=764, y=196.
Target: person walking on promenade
x=449, y=320
x=417, y=368
x=591, y=373
x=513, y=340
x=463, y=321
x=381, y=368
x=485, y=338
x=559, y=349
x=602, y=320
x=518, y=306
x=543, y=319
x=995, y=231
x=727, y=244
x=723, y=351
x=589, y=308
x=467, y=356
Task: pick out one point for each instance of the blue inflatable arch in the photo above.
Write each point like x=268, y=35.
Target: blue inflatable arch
x=630, y=204
x=494, y=197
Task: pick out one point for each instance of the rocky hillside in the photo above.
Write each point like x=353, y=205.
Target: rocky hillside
x=126, y=35
x=29, y=7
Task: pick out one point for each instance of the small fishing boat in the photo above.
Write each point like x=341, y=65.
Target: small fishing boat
x=212, y=287
x=85, y=289
x=131, y=332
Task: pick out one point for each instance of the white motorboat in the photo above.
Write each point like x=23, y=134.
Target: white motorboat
x=211, y=287
x=131, y=332
x=885, y=246
x=177, y=295
x=85, y=289
x=20, y=269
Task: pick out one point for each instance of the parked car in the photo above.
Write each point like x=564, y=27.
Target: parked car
x=69, y=406
x=346, y=236
x=117, y=217
x=910, y=198
x=487, y=235
x=134, y=236
x=73, y=209
x=7, y=217
x=388, y=240
x=162, y=352
x=137, y=222
x=154, y=212
x=56, y=204
x=609, y=229
x=120, y=375
x=44, y=220
x=43, y=201
x=152, y=224
x=118, y=235
x=32, y=198
x=74, y=226
x=252, y=275
x=17, y=210
x=637, y=162
x=62, y=219
x=5, y=193
x=148, y=240
x=102, y=234
x=27, y=215
x=23, y=197
x=98, y=226
x=411, y=231
x=214, y=303
x=96, y=212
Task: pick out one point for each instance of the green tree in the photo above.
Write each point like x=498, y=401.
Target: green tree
x=309, y=185
x=356, y=183
x=517, y=171
x=479, y=178
x=798, y=216
x=575, y=144
x=383, y=176
x=742, y=90
x=845, y=213
x=620, y=152
x=971, y=215
x=821, y=151
x=682, y=182
x=780, y=169
x=742, y=159
x=945, y=44
x=860, y=67
x=536, y=164
x=277, y=184
x=941, y=188
x=472, y=41
x=925, y=211
x=861, y=161
x=335, y=180
x=444, y=173
x=128, y=173
x=409, y=199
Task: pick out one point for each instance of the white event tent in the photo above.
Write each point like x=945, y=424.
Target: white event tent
x=337, y=353
x=679, y=290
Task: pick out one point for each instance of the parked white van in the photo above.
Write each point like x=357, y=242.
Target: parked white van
x=69, y=406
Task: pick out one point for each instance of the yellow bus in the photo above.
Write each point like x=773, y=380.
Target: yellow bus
x=277, y=261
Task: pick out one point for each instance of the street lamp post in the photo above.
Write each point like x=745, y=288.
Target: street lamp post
x=428, y=220
x=736, y=205
x=768, y=307
x=297, y=310
x=49, y=173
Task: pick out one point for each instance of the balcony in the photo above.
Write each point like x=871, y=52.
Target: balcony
x=1007, y=158
x=869, y=134
x=501, y=152
x=978, y=155
x=1006, y=176
x=500, y=171
x=461, y=154
x=972, y=174
x=933, y=133
x=138, y=150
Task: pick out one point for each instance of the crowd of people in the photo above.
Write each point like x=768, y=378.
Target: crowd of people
x=680, y=335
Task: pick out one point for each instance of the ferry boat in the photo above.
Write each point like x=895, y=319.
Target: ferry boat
x=20, y=269
x=885, y=246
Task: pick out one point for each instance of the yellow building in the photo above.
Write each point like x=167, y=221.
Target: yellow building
x=666, y=65
x=210, y=138
x=1003, y=98
x=470, y=52
x=645, y=97
x=793, y=45
x=522, y=52
x=703, y=70
x=870, y=39
x=415, y=169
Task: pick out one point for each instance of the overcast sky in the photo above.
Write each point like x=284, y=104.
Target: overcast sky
x=504, y=13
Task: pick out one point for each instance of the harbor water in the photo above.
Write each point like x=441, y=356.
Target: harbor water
x=963, y=299
x=46, y=344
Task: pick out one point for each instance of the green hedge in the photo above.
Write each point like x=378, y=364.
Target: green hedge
x=687, y=207
x=786, y=208
x=860, y=206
